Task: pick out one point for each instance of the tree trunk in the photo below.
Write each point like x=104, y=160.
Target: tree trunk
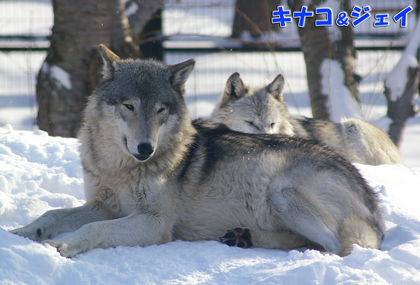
x=322, y=46
x=254, y=16
x=139, y=13
x=150, y=38
x=73, y=65
x=402, y=87
x=403, y=108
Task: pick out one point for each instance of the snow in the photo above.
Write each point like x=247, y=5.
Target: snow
x=39, y=173
x=334, y=30
x=18, y=72
x=383, y=123
x=131, y=9
x=60, y=76
x=342, y=104
x=215, y=17
x=398, y=77
x=19, y=17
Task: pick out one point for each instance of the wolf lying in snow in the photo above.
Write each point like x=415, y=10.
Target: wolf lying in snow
x=263, y=111
x=153, y=176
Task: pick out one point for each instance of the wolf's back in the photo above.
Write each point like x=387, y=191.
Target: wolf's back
x=293, y=167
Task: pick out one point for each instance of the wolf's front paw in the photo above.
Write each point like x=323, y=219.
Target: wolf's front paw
x=238, y=237
x=41, y=229
x=64, y=248
x=33, y=233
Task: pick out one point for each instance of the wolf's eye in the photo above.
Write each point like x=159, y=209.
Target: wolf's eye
x=129, y=107
x=161, y=110
x=250, y=123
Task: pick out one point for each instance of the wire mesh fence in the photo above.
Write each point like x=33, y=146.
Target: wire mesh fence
x=199, y=29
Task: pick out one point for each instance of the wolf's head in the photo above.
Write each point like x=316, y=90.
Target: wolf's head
x=259, y=111
x=143, y=101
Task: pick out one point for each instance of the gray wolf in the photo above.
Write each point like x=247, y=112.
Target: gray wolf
x=151, y=176
x=264, y=111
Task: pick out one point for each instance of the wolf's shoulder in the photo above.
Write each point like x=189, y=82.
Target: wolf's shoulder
x=215, y=143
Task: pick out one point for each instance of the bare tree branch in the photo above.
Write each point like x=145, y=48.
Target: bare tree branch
x=139, y=13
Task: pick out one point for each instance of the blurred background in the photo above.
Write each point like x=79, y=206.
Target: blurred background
x=224, y=36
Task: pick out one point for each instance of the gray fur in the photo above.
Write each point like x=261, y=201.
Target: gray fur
x=201, y=179
x=264, y=111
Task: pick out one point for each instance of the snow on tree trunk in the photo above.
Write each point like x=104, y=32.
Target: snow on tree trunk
x=330, y=58
x=341, y=103
x=73, y=65
x=401, y=88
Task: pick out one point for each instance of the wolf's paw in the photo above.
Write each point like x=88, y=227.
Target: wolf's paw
x=39, y=230
x=33, y=233
x=238, y=237
x=63, y=248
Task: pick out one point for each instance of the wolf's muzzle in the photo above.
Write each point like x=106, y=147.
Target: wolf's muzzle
x=145, y=151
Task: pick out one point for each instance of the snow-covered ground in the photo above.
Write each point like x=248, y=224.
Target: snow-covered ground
x=39, y=173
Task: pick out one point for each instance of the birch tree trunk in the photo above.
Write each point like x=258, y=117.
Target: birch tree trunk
x=73, y=65
x=330, y=58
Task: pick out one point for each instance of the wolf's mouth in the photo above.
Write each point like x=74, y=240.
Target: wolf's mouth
x=141, y=158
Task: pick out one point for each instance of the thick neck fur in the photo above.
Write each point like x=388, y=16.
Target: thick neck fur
x=102, y=148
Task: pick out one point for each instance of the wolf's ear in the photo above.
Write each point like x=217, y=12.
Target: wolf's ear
x=235, y=88
x=276, y=88
x=109, y=61
x=180, y=73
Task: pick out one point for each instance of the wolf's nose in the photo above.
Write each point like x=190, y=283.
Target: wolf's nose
x=145, y=149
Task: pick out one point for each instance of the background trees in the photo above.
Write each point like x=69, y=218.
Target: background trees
x=73, y=65
x=254, y=18
x=401, y=88
x=330, y=55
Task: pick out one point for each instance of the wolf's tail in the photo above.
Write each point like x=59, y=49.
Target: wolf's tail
x=356, y=230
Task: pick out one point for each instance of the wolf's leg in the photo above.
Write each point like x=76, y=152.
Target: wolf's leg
x=136, y=229
x=305, y=216
x=328, y=222
x=55, y=222
x=245, y=238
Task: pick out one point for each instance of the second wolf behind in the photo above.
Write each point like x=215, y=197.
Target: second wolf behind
x=264, y=111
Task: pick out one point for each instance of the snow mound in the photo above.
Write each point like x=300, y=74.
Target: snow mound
x=39, y=173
